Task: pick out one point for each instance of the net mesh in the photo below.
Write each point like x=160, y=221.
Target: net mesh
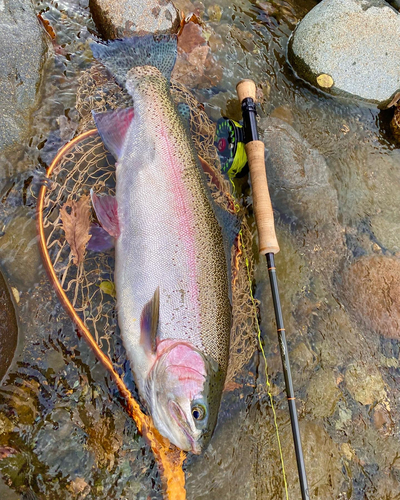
x=86, y=165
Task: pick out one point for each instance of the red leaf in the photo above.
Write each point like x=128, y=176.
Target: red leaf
x=191, y=38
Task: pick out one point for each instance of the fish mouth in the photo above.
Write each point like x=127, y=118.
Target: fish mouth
x=180, y=418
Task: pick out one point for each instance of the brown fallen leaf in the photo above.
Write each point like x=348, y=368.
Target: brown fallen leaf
x=195, y=66
x=394, y=101
x=75, y=217
x=192, y=17
x=79, y=487
x=47, y=26
x=191, y=37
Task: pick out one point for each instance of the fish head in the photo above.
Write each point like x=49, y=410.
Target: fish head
x=182, y=397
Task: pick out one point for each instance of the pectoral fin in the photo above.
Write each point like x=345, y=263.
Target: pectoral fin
x=100, y=240
x=149, y=322
x=113, y=127
x=106, y=209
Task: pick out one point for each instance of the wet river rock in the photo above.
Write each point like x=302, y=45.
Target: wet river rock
x=8, y=328
x=302, y=194
x=125, y=18
x=371, y=289
x=322, y=394
x=22, y=51
x=19, y=252
x=298, y=176
x=322, y=458
x=355, y=42
x=365, y=383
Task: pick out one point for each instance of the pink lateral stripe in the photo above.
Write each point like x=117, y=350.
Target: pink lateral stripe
x=183, y=210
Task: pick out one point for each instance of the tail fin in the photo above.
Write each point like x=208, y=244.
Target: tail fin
x=119, y=56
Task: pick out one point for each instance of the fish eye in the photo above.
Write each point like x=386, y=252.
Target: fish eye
x=198, y=412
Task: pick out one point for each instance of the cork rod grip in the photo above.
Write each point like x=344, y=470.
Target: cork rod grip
x=267, y=242
x=246, y=88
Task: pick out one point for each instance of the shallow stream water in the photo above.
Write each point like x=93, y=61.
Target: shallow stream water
x=335, y=183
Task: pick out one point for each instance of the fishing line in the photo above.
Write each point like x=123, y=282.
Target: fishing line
x=267, y=382
x=234, y=143
x=233, y=160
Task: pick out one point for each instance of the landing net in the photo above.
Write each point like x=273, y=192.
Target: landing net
x=88, y=287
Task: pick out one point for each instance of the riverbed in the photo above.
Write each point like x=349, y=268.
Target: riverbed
x=334, y=171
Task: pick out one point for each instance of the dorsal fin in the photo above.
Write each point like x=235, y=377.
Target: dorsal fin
x=184, y=111
x=230, y=226
x=149, y=323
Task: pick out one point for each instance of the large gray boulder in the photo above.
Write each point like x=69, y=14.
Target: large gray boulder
x=124, y=18
x=356, y=42
x=22, y=51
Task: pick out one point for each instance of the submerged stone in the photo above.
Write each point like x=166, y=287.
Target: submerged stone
x=303, y=194
x=322, y=458
x=355, y=42
x=298, y=176
x=386, y=228
x=322, y=394
x=22, y=49
x=125, y=18
x=365, y=383
x=19, y=252
x=371, y=288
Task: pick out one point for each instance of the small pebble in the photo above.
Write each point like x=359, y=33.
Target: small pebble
x=214, y=13
x=325, y=81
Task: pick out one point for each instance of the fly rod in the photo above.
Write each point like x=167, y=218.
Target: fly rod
x=268, y=246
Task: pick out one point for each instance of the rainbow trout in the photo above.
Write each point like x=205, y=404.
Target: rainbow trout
x=171, y=268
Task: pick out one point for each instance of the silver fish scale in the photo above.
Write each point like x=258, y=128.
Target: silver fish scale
x=166, y=217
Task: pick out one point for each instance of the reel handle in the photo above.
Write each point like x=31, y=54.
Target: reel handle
x=267, y=241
